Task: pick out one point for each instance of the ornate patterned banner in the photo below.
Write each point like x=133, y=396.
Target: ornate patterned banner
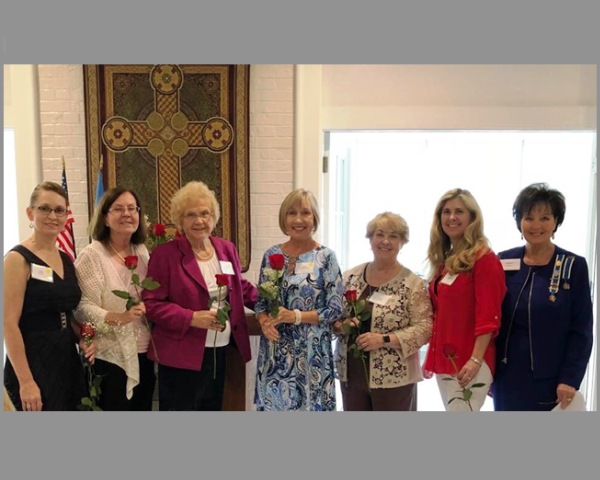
x=159, y=127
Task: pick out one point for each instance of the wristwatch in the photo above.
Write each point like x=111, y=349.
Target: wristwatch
x=386, y=339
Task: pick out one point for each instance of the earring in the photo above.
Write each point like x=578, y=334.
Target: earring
x=521, y=236
x=552, y=235
x=30, y=224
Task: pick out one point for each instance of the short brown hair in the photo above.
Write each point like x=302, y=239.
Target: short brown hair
x=98, y=229
x=47, y=187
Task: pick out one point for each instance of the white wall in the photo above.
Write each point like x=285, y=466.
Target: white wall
x=8, y=118
x=23, y=116
x=458, y=97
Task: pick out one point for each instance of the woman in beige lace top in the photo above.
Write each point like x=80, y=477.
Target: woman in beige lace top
x=400, y=324
x=123, y=338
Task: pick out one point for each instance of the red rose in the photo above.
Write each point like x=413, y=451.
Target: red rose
x=222, y=280
x=159, y=230
x=131, y=262
x=449, y=350
x=277, y=261
x=351, y=295
x=87, y=331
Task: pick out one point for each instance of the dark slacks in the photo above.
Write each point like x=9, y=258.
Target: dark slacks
x=190, y=390
x=114, y=383
x=357, y=398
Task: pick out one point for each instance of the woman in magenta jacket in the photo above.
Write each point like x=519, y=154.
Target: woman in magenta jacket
x=187, y=335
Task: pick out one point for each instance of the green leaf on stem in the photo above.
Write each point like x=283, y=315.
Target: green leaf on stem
x=226, y=306
x=467, y=394
x=86, y=401
x=222, y=316
x=447, y=379
x=83, y=408
x=452, y=399
x=135, y=279
x=360, y=306
x=210, y=302
x=130, y=303
x=364, y=316
x=121, y=294
x=152, y=286
x=478, y=385
x=96, y=408
x=274, y=310
x=346, y=328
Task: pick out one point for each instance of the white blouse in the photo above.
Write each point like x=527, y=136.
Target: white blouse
x=209, y=269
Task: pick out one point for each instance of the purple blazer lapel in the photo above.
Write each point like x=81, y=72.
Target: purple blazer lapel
x=189, y=263
x=220, y=250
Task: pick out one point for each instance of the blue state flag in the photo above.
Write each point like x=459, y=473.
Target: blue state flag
x=99, y=186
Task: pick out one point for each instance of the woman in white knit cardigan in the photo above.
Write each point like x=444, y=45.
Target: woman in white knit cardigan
x=118, y=231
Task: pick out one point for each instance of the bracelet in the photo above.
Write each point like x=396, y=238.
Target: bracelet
x=298, y=317
x=476, y=360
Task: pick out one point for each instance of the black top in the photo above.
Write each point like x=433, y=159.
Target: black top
x=44, y=301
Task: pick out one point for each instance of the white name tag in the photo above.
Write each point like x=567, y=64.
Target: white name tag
x=449, y=279
x=305, y=267
x=379, y=298
x=227, y=268
x=510, y=264
x=40, y=272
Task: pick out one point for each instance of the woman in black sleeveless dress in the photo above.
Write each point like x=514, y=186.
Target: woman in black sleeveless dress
x=43, y=370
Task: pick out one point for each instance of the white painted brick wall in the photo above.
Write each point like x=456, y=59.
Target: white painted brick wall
x=271, y=146
x=271, y=154
x=62, y=119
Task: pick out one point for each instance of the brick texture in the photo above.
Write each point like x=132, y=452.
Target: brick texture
x=271, y=146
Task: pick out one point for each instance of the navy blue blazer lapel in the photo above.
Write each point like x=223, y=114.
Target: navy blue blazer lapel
x=189, y=262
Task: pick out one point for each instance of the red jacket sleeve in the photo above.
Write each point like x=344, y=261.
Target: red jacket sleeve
x=490, y=288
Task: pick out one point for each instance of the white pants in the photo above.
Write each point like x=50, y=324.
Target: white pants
x=450, y=389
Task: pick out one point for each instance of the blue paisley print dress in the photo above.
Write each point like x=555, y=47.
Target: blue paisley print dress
x=301, y=375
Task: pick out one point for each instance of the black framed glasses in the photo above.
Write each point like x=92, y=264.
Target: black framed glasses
x=46, y=210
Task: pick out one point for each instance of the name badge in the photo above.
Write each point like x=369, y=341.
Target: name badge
x=305, y=267
x=40, y=272
x=379, y=298
x=227, y=268
x=511, y=264
x=449, y=279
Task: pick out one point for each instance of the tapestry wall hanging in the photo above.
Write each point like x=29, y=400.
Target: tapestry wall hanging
x=157, y=127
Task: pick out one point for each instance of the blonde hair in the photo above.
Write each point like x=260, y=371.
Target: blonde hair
x=8, y=405
x=392, y=221
x=192, y=191
x=295, y=198
x=468, y=250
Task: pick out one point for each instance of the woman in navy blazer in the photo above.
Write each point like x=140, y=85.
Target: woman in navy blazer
x=545, y=340
x=187, y=335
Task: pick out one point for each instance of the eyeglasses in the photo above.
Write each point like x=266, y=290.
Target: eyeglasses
x=46, y=210
x=204, y=215
x=119, y=210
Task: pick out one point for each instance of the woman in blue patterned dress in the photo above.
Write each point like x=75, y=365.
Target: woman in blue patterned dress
x=297, y=374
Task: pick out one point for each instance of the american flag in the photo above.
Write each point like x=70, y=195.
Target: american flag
x=66, y=239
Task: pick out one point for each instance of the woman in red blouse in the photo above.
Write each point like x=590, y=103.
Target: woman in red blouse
x=467, y=288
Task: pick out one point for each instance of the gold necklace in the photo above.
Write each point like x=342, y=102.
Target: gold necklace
x=118, y=254
x=204, y=256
